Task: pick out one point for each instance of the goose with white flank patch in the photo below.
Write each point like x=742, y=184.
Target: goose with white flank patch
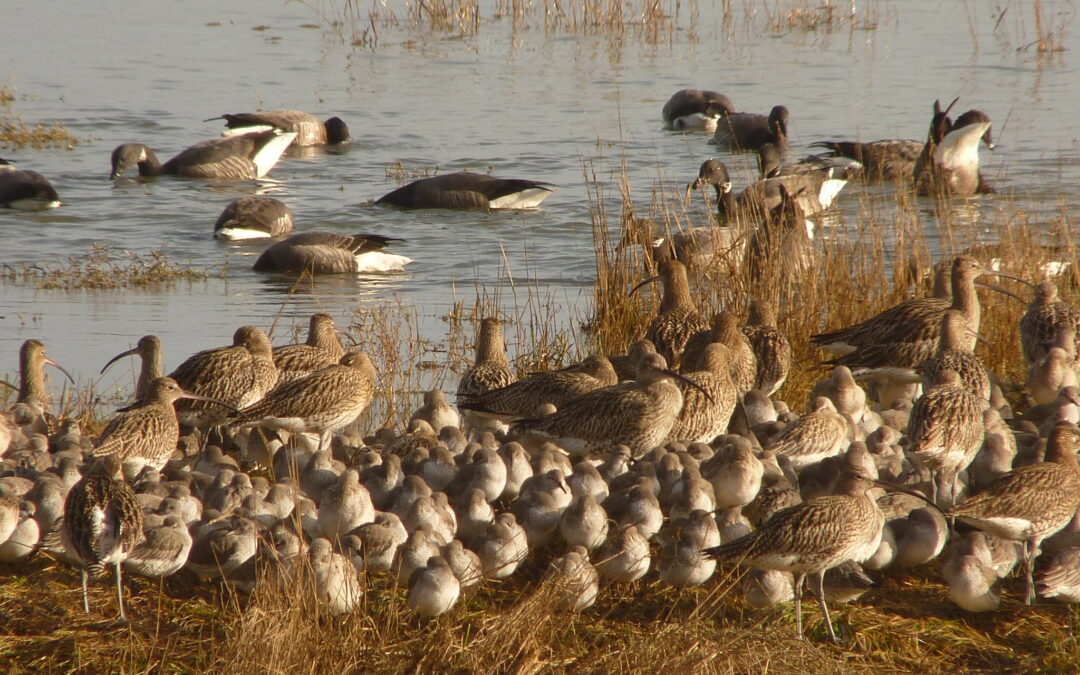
x=949, y=163
x=254, y=217
x=308, y=129
x=466, y=190
x=237, y=158
x=25, y=190
x=695, y=109
x=331, y=253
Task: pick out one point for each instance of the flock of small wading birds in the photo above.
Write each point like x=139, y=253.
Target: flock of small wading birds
x=610, y=467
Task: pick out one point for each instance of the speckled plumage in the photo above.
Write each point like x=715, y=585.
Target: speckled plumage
x=146, y=433
x=321, y=402
x=1042, y=320
x=953, y=354
x=814, y=536
x=523, y=397
x=741, y=358
x=102, y=522
x=821, y=433
x=1032, y=502
x=638, y=414
x=771, y=347
x=678, y=317
x=702, y=419
x=945, y=431
x=238, y=375
x=321, y=350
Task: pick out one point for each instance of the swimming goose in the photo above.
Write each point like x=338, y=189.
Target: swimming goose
x=746, y=132
x=466, y=190
x=695, y=109
x=331, y=253
x=238, y=158
x=308, y=129
x=820, y=179
x=949, y=163
x=25, y=190
x=253, y=217
x=814, y=192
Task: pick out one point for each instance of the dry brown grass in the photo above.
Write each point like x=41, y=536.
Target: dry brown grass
x=906, y=624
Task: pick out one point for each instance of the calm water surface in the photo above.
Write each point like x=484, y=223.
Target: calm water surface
x=513, y=99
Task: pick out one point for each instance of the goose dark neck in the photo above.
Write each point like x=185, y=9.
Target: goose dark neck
x=149, y=166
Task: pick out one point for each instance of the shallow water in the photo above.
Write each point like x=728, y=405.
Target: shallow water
x=513, y=99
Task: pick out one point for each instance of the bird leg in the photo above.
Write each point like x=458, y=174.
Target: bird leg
x=1031, y=549
x=799, y=579
x=85, y=593
x=119, y=593
x=820, y=592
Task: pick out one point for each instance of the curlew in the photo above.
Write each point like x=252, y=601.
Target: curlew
x=1030, y=503
x=954, y=354
x=322, y=349
x=321, y=402
x=1045, y=317
x=819, y=434
x=523, y=397
x=771, y=347
x=638, y=414
x=490, y=368
x=678, y=317
x=148, y=349
x=724, y=329
x=704, y=417
x=146, y=434
x=238, y=375
x=32, y=360
x=945, y=431
x=102, y=523
x=813, y=537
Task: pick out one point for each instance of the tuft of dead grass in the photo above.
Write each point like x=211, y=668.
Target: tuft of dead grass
x=102, y=268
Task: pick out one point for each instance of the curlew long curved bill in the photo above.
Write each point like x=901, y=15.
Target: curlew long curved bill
x=116, y=358
x=56, y=365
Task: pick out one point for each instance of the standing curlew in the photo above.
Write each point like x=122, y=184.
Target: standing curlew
x=145, y=434
x=1044, y=317
x=678, y=318
x=321, y=402
x=1033, y=502
x=702, y=417
x=523, y=397
x=638, y=414
x=238, y=375
x=32, y=362
x=945, y=431
x=953, y=354
x=772, y=348
x=725, y=330
x=322, y=349
x=813, y=537
x=102, y=523
x=148, y=348
x=490, y=369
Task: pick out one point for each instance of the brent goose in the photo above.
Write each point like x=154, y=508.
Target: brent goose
x=254, y=217
x=331, y=253
x=309, y=130
x=466, y=190
x=236, y=158
x=25, y=190
x=695, y=109
x=746, y=132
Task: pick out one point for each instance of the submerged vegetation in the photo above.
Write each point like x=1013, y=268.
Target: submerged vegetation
x=102, y=268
